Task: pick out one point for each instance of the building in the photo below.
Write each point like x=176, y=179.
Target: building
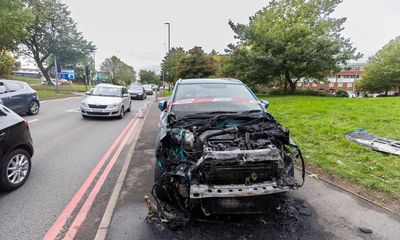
x=345, y=80
x=27, y=72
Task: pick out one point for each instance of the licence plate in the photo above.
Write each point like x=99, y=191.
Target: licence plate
x=97, y=110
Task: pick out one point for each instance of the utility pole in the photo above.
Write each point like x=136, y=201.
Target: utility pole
x=56, y=70
x=169, y=53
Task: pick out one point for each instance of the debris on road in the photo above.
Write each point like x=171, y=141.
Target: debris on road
x=365, y=230
x=374, y=142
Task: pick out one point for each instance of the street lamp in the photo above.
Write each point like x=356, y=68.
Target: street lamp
x=169, y=51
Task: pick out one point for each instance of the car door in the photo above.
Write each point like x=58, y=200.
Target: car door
x=125, y=98
x=14, y=98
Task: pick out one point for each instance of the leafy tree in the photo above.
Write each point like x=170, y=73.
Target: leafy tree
x=14, y=19
x=148, y=76
x=170, y=64
x=119, y=72
x=196, y=64
x=53, y=33
x=383, y=69
x=296, y=39
x=7, y=63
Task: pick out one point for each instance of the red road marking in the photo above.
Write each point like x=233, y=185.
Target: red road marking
x=66, y=213
x=80, y=218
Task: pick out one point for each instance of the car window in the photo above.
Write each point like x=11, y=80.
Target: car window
x=191, y=98
x=107, y=91
x=136, y=88
x=13, y=86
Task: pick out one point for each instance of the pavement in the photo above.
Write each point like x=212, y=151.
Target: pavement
x=316, y=211
x=67, y=149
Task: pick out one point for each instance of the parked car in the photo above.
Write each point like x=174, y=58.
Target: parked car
x=219, y=151
x=137, y=92
x=106, y=100
x=148, y=88
x=19, y=97
x=16, y=150
x=54, y=81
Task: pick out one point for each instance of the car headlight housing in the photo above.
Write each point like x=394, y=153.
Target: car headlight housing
x=84, y=104
x=113, y=105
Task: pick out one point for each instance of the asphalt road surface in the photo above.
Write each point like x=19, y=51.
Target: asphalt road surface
x=67, y=149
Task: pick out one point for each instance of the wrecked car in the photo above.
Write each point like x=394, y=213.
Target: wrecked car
x=219, y=151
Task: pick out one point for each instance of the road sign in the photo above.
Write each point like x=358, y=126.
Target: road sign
x=102, y=77
x=67, y=74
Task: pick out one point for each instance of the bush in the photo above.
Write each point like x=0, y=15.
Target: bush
x=341, y=93
x=299, y=92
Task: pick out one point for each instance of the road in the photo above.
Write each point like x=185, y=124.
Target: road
x=67, y=149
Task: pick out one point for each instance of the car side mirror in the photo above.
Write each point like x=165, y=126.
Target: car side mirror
x=265, y=104
x=88, y=93
x=125, y=95
x=162, y=105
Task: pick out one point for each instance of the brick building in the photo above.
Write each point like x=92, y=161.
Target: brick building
x=345, y=80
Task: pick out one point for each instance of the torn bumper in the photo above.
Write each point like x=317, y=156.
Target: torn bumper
x=199, y=191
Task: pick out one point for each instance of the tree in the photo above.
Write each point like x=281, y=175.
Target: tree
x=120, y=72
x=7, y=63
x=196, y=64
x=53, y=33
x=382, y=72
x=149, y=77
x=296, y=39
x=14, y=19
x=170, y=64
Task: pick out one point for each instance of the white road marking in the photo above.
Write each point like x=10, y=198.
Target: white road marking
x=33, y=120
x=74, y=110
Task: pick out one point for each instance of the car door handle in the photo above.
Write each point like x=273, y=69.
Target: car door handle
x=2, y=135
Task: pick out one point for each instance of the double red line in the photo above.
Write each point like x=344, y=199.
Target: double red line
x=81, y=216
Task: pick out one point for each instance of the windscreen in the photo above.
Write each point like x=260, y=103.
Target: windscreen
x=107, y=91
x=136, y=88
x=191, y=98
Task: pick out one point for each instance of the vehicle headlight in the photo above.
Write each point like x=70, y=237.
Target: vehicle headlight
x=113, y=105
x=84, y=104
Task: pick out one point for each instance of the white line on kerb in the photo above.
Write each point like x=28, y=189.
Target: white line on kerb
x=33, y=120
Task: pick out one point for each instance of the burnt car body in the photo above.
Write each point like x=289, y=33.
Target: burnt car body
x=219, y=151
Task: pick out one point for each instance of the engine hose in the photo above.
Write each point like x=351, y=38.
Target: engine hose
x=300, y=155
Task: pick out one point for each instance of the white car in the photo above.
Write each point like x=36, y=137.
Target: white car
x=106, y=100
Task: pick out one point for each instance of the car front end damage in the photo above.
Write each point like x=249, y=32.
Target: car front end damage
x=227, y=164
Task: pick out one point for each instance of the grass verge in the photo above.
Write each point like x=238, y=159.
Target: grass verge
x=44, y=95
x=25, y=79
x=318, y=124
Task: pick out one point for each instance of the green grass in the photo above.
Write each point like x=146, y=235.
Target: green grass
x=25, y=79
x=44, y=95
x=318, y=124
x=63, y=88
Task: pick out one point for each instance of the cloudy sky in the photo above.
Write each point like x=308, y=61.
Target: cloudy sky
x=134, y=30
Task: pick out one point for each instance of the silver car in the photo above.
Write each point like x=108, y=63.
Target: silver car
x=106, y=100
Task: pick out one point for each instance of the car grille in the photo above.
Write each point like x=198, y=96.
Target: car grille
x=98, y=113
x=219, y=175
x=97, y=106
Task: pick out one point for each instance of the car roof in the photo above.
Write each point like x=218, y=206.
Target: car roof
x=109, y=85
x=16, y=81
x=210, y=81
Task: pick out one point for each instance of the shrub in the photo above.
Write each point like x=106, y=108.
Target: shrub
x=341, y=93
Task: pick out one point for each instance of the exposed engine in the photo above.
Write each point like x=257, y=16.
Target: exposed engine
x=221, y=165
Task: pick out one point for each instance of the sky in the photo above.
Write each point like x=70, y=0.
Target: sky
x=134, y=30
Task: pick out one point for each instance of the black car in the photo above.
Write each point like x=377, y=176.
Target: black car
x=148, y=89
x=137, y=92
x=219, y=151
x=19, y=97
x=16, y=150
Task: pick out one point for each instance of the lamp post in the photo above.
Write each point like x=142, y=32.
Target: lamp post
x=169, y=51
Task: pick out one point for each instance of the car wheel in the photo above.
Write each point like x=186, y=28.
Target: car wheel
x=121, y=114
x=84, y=116
x=129, y=109
x=15, y=170
x=33, y=108
x=159, y=191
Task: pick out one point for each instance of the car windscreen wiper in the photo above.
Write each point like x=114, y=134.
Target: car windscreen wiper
x=252, y=111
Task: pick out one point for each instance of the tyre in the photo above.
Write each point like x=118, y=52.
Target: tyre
x=129, y=109
x=121, y=114
x=84, y=116
x=33, y=108
x=15, y=170
x=159, y=191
